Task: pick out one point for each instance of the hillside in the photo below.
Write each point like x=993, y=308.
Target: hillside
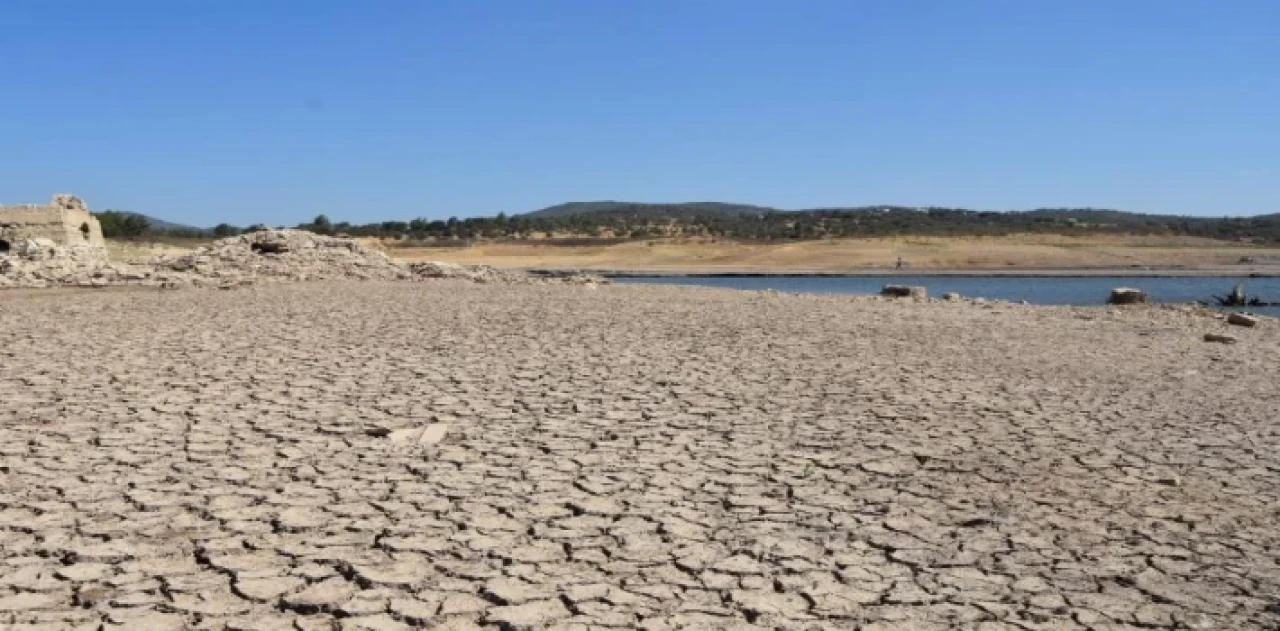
x=688, y=209
x=617, y=220
x=160, y=225
x=129, y=224
x=744, y=222
x=647, y=210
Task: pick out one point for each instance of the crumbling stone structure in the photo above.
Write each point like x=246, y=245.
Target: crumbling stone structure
x=65, y=222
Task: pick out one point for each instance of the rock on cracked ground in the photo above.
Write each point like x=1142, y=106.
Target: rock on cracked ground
x=629, y=457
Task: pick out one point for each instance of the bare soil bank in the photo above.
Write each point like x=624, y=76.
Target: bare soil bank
x=1006, y=255
x=652, y=457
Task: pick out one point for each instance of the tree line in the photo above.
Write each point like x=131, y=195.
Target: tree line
x=652, y=221
x=807, y=225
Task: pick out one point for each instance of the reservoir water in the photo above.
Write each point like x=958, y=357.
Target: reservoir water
x=1057, y=290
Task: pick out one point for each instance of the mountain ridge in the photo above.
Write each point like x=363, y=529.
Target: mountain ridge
x=162, y=225
x=612, y=206
x=676, y=209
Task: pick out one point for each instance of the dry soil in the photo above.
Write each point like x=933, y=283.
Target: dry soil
x=625, y=456
x=1013, y=254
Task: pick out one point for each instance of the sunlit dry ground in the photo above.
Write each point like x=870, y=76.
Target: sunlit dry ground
x=1002, y=254
x=647, y=457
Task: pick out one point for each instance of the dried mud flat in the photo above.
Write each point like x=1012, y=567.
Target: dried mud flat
x=651, y=457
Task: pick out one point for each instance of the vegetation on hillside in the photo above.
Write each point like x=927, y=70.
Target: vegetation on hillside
x=647, y=221
x=122, y=225
x=673, y=211
x=624, y=220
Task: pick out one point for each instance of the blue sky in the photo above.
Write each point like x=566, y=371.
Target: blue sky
x=203, y=111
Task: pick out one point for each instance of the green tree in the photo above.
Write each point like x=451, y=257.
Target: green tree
x=122, y=225
x=320, y=225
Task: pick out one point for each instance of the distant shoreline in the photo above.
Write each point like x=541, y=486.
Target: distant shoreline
x=1023, y=256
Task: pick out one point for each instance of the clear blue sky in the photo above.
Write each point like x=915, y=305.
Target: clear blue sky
x=203, y=111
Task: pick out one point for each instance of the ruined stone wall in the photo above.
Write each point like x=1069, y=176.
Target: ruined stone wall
x=65, y=221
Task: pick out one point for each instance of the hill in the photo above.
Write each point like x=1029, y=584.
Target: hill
x=647, y=210
x=160, y=225
x=617, y=220
x=742, y=221
x=128, y=224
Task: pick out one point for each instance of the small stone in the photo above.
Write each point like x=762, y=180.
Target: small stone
x=1240, y=319
x=904, y=291
x=433, y=434
x=1127, y=296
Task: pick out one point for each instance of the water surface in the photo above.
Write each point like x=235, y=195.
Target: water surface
x=1057, y=290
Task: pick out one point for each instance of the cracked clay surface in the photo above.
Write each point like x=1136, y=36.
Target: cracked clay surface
x=629, y=457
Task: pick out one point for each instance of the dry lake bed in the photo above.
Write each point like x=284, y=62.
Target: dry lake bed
x=629, y=457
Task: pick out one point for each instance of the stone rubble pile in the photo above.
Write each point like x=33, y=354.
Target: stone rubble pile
x=42, y=263
x=474, y=273
x=265, y=256
x=290, y=255
x=488, y=274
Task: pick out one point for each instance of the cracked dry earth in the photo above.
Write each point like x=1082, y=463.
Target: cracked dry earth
x=634, y=457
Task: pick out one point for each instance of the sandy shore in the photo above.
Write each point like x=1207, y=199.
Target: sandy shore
x=629, y=456
x=1017, y=255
